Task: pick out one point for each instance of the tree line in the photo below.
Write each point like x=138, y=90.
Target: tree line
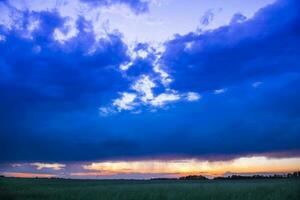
x=294, y=175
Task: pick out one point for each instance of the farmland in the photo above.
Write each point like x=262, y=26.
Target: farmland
x=61, y=189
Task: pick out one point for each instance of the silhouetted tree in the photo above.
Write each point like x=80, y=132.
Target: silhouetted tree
x=193, y=177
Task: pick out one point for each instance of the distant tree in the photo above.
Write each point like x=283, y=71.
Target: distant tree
x=274, y=176
x=294, y=175
x=163, y=179
x=193, y=177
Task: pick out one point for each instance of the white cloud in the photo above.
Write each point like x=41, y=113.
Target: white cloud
x=125, y=66
x=69, y=31
x=54, y=166
x=106, y=111
x=164, y=98
x=144, y=87
x=126, y=102
x=16, y=165
x=144, y=97
x=219, y=91
x=142, y=54
x=188, y=46
x=33, y=24
x=164, y=76
x=193, y=96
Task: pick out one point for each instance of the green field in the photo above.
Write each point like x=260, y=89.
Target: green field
x=39, y=189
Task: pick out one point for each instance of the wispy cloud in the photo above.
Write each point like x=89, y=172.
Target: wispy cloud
x=165, y=98
x=256, y=84
x=54, y=166
x=220, y=91
x=193, y=96
x=125, y=102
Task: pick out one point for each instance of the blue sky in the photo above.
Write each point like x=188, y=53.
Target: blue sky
x=137, y=81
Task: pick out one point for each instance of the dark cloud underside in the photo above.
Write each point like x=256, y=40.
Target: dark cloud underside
x=51, y=91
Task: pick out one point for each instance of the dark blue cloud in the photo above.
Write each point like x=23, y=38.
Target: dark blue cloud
x=57, y=71
x=42, y=79
x=142, y=65
x=50, y=92
x=265, y=45
x=237, y=18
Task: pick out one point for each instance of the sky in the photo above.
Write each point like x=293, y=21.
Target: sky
x=149, y=88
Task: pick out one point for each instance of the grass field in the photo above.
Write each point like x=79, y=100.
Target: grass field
x=60, y=189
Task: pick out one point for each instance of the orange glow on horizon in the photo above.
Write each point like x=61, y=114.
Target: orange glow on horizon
x=156, y=168
x=27, y=175
x=92, y=174
x=193, y=166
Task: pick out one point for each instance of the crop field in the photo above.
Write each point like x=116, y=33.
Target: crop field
x=61, y=189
